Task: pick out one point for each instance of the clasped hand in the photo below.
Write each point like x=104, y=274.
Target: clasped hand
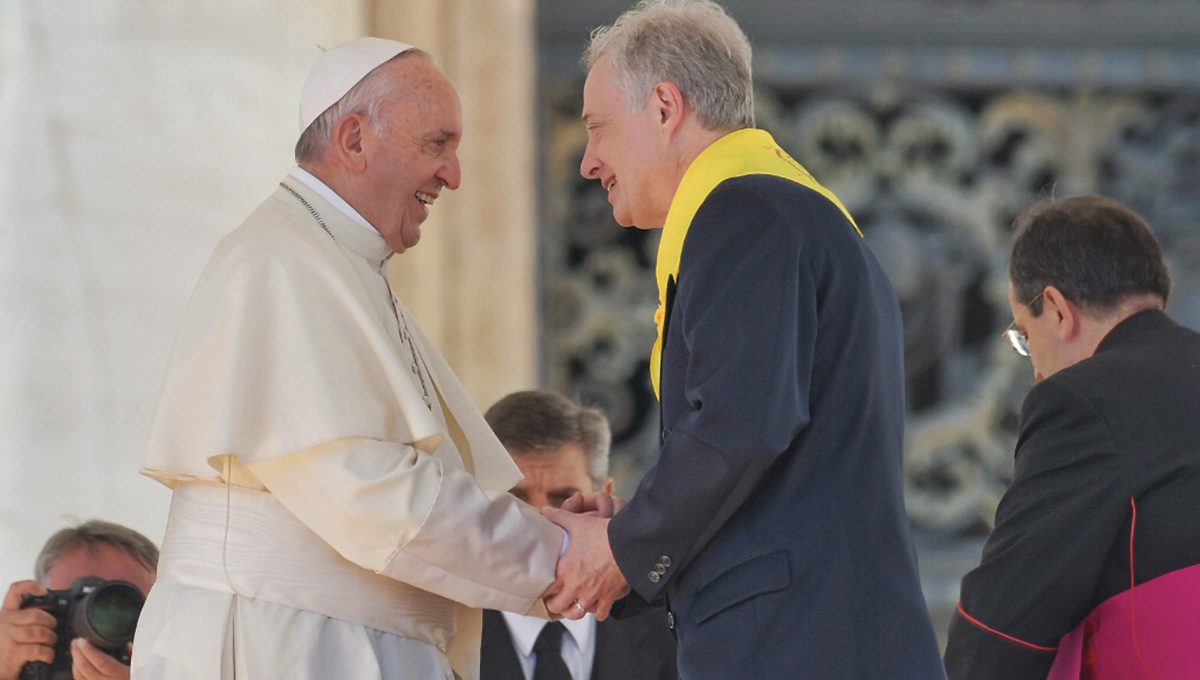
x=588, y=578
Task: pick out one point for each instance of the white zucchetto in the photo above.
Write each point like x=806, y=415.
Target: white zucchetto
x=341, y=68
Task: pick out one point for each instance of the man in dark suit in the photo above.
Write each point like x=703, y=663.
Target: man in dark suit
x=1107, y=475
x=562, y=449
x=773, y=523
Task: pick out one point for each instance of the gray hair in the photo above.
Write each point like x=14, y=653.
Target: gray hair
x=92, y=534
x=536, y=421
x=366, y=98
x=694, y=44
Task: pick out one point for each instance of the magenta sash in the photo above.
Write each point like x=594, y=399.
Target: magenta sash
x=1151, y=631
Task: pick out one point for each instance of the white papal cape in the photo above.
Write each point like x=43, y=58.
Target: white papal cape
x=339, y=506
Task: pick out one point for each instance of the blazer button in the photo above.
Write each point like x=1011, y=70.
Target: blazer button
x=660, y=569
x=670, y=621
x=665, y=560
x=654, y=576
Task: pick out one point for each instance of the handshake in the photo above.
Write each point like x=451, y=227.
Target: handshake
x=587, y=576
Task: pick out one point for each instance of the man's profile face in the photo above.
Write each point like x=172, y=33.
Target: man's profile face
x=625, y=152
x=551, y=477
x=414, y=154
x=1046, y=352
x=101, y=561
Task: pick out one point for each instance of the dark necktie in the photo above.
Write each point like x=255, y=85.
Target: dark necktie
x=549, y=664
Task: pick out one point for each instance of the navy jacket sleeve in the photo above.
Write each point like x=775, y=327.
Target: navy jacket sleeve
x=745, y=306
x=1055, y=529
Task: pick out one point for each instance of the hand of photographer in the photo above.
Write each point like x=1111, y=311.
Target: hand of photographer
x=25, y=634
x=90, y=663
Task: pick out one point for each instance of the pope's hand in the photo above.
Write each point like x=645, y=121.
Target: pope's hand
x=590, y=578
x=25, y=634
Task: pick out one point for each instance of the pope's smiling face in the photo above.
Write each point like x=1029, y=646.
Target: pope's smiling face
x=412, y=151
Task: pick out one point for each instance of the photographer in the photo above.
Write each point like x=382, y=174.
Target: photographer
x=93, y=549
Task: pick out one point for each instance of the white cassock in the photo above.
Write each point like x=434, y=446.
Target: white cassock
x=339, y=505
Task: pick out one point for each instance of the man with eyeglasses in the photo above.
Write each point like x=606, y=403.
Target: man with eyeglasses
x=1107, y=475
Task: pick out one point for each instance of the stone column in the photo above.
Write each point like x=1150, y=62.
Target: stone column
x=472, y=281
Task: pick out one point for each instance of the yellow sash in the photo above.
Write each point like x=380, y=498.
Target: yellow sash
x=737, y=154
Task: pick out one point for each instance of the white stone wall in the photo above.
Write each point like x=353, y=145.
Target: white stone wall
x=133, y=135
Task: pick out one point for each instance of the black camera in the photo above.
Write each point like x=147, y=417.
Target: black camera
x=104, y=613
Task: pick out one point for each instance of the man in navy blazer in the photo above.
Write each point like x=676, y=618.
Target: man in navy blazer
x=772, y=526
x=562, y=449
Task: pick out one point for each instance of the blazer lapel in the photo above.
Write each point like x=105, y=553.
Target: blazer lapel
x=497, y=657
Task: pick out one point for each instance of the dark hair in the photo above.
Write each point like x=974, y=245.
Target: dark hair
x=1093, y=249
x=536, y=421
x=91, y=534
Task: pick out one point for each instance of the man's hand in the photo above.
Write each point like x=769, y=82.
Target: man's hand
x=25, y=634
x=590, y=578
x=601, y=503
x=89, y=663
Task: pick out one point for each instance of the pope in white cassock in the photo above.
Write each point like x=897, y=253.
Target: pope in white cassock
x=339, y=505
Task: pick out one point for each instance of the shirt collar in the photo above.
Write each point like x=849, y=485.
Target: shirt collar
x=313, y=182
x=525, y=630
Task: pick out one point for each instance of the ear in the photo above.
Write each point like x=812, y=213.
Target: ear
x=347, y=142
x=668, y=103
x=608, y=486
x=1066, y=314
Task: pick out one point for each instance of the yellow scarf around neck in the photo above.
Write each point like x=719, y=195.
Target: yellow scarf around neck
x=737, y=154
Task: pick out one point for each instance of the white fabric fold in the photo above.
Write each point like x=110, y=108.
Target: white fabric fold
x=415, y=517
x=290, y=341
x=246, y=543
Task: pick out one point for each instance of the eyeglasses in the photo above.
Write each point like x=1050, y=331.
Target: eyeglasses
x=1019, y=340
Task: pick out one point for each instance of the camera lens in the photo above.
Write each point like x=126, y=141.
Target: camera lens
x=111, y=613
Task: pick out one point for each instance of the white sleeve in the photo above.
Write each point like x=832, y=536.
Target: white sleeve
x=404, y=514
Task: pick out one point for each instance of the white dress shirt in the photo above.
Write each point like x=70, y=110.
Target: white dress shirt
x=578, y=646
